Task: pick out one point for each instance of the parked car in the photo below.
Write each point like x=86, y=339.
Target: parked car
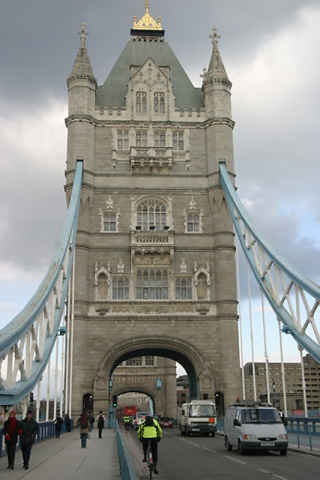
x=165, y=422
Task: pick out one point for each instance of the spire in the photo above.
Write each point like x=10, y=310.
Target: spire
x=147, y=24
x=216, y=68
x=82, y=66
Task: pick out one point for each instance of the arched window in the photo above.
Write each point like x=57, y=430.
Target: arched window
x=152, y=285
x=159, y=139
x=151, y=215
x=158, y=102
x=141, y=139
x=141, y=102
x=193, y=222
x=123, y=140
x=178, y=141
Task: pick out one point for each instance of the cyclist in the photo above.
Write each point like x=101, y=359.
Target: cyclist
x=150, y=430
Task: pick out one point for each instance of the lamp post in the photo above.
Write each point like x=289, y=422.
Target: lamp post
x=274, y=394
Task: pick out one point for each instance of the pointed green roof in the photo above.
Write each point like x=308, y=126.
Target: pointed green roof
x=136, y=52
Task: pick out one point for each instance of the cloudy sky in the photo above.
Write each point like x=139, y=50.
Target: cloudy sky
x=271, y=53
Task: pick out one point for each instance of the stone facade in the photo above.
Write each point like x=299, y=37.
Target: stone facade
x=155, y=254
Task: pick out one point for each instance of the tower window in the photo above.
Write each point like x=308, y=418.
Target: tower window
x=123, y=140
x=141, y=102
x=158, y=102
x=193, y=222
x=178, y=141
x=109, y=222
x=151, y=214
x=120, y=289
x=141, y=139
x=159, y=139
x=152, y=285
x=183, y=289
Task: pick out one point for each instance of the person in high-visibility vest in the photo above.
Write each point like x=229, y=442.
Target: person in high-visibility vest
x=150, y=430
x=126, y=421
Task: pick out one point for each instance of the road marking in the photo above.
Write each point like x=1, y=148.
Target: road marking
x=235, y=460
x=209, y=450
x=264, y=471
x=278, y=476
x=195, y=444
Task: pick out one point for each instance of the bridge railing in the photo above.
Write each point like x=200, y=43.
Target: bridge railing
x=47, y=430
x=27, y=341
x=127, y=470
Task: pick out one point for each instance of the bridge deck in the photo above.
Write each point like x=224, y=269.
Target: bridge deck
x=64, y=459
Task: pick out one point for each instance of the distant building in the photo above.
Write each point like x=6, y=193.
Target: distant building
x=293, y=383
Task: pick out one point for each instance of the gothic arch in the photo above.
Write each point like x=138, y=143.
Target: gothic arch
x=168, y=347
x=202, y=282
x=157, y=199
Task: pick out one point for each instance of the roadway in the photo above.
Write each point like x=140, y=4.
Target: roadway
x=204, y=458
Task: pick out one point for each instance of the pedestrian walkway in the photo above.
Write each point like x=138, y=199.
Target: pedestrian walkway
x=63, y=459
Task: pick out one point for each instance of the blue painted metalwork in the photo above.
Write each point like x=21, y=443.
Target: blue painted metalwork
x=297, y=284
x=24, y=322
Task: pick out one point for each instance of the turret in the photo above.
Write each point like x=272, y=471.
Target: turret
x=82, y=83
x=82, y=86
x=217, y=98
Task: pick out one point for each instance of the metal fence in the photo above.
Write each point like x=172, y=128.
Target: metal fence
x=47, y=430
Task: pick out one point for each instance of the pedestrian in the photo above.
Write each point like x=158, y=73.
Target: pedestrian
x=68, y=422
x=27, y=430
x=100, y=423
x=58, y=425
x=91, y=420
x=10, y=433
x=84, y=428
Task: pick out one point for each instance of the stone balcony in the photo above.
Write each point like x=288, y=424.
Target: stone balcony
x=152, y=241
x=145, y=160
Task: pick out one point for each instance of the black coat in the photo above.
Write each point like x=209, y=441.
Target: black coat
x=28, y=431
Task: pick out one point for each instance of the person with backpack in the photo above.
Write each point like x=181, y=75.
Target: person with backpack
x=84, y=428
x=100, y=423
x=150, y=430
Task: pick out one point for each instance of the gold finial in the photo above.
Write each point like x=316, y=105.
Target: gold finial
x=147, y=22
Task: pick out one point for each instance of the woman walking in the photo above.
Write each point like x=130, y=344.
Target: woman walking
x=10, y=433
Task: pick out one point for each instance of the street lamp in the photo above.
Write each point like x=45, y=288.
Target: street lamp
x=274, y=393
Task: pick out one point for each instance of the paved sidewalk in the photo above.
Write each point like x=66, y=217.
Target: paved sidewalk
x=63, y=459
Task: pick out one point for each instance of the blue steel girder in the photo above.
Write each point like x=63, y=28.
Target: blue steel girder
x=26, y=343
x=293, y=297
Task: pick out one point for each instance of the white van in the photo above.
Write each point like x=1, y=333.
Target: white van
x=254, y=427
x=140, y=417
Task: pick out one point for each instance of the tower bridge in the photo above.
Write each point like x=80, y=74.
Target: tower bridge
x=150, y=172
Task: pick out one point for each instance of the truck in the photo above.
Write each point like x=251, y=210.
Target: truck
x=198, y=417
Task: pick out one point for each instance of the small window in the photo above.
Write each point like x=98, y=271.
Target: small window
x=158, y=102
x=141, y=102
x=178, y=141
x=141, y=139
x=193, y=222
x=183, y=289
x=160, y=139
x=109, y=222
x=134, y=362
x=120, y=289
x=150, y=360
x=123, y=140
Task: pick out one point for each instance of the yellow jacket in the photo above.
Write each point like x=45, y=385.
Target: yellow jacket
x=154, y=431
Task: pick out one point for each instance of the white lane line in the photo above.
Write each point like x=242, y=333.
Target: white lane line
x=278, y=476
x=209, y=450
x=195, y=444
x=264, y=471
x=235, y=460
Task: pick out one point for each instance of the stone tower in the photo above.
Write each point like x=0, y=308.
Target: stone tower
x=155, y=254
